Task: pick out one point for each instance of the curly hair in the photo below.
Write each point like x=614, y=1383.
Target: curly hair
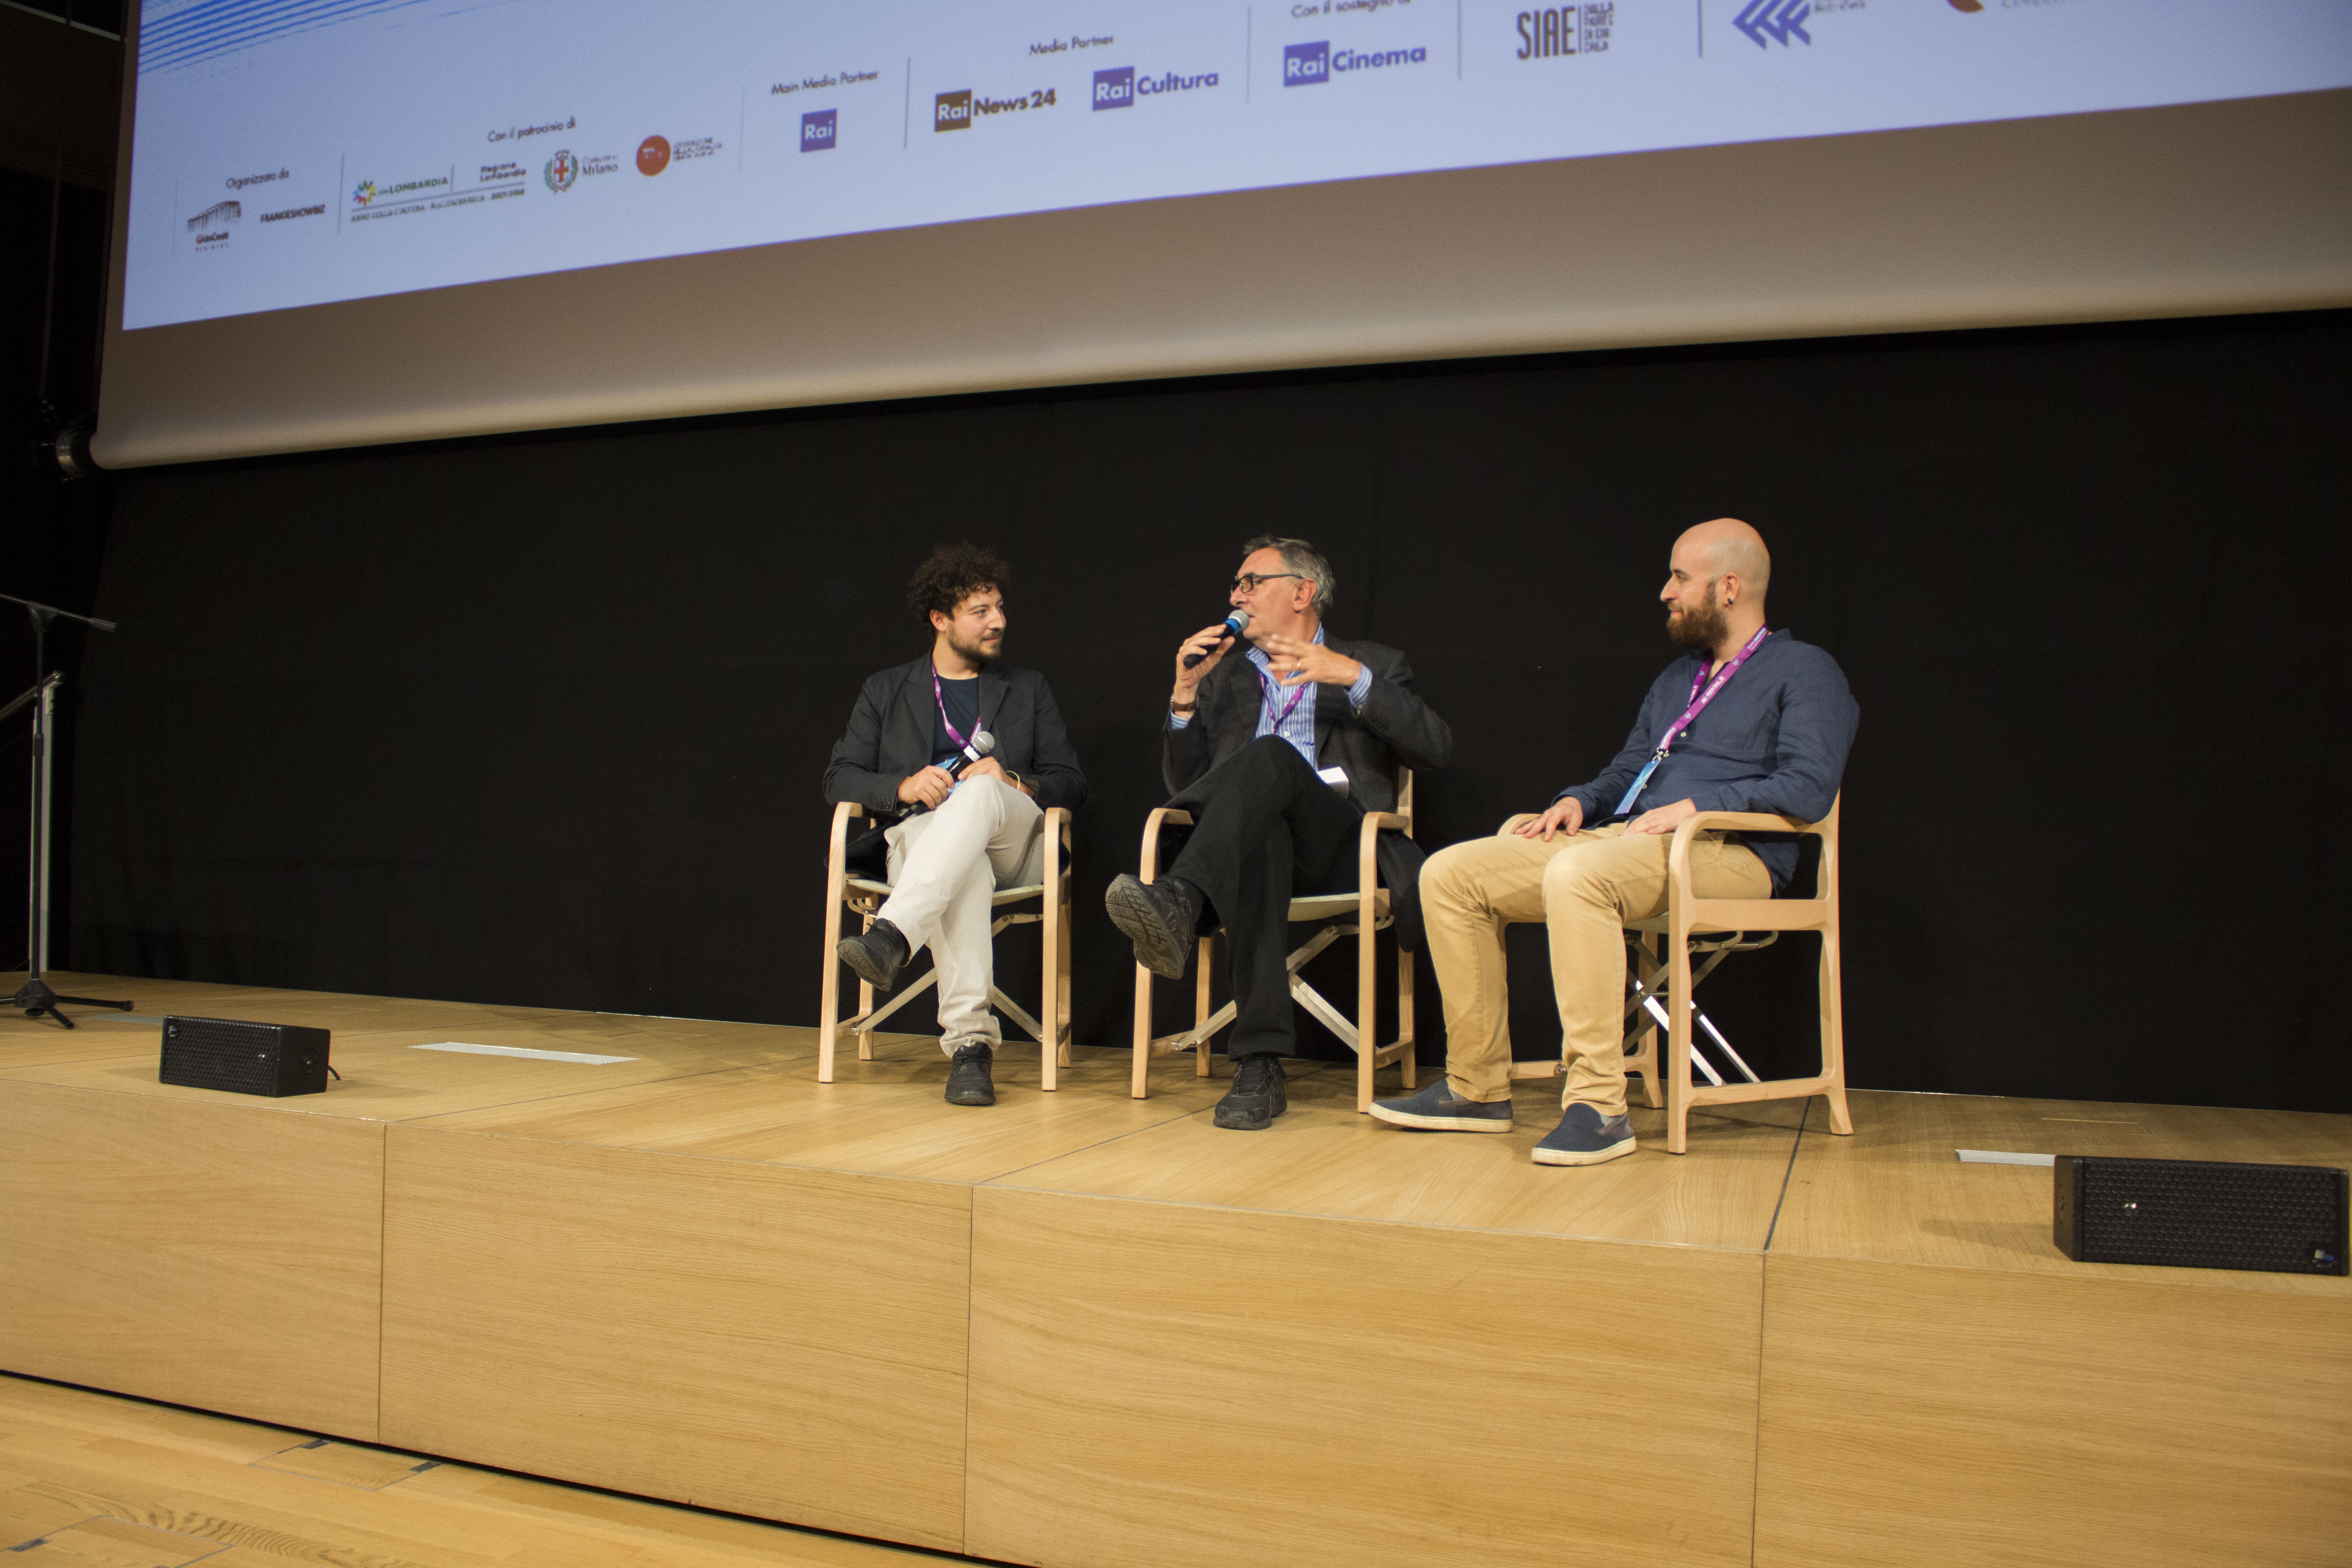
x=950, y=574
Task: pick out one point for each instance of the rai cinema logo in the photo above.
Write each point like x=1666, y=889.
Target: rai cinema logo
x=562, y=170
x=363, y=193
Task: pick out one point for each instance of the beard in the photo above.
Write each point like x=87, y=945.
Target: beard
x=1700, y=628
x=987, y=645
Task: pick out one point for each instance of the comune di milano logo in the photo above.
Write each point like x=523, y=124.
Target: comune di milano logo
x=1304, y=65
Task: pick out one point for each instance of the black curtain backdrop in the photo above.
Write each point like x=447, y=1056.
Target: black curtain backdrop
x=541, y=721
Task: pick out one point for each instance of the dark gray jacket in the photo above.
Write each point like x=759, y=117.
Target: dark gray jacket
x=890, y=736
x=1396, y=726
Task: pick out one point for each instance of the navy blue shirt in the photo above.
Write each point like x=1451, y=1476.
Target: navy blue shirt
x=1774, y=740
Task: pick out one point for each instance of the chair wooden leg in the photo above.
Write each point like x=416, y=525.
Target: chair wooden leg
x=1141, y=1088
x=1833, y=1033
x=1405, y=1063
x=1202, y=963
x=1049, y=992
x=829, y=995
x=1368, y=1017
x=1678, y=1043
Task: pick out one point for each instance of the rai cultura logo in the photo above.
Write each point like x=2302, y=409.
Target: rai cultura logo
x=562, y=170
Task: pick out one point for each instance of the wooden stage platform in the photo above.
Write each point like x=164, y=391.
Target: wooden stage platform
x=1081, y=1329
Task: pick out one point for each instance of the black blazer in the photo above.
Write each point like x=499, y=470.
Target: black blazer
x=1396, y=726
x=890, y=735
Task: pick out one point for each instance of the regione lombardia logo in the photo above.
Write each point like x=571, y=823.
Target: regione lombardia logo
x=1303, y=64
x=1115, y=89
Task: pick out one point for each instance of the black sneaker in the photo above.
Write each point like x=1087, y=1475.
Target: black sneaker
x=1160, y=918
x=1260, y=1093
x=1437, y=1110
x=1582, y=1138
x=875, y=954
x=968, y=1080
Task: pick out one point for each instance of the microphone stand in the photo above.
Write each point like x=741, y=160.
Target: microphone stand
x=35, y=995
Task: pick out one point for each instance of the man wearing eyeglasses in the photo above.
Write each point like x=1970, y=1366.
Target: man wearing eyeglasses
x=1259, y=747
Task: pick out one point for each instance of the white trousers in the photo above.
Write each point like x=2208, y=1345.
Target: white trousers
x=944, y=866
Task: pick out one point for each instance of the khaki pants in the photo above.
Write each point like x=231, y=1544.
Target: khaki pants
x=1584, y=890
x=945, y=865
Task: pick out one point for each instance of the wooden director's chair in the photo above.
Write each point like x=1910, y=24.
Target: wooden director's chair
x=1369, y=906
x=865, y=896
x=1662, y=979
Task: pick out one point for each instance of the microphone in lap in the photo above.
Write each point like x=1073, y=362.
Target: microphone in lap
x=1235, y=624
x=983, y=744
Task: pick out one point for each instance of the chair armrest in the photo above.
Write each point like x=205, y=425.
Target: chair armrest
x=1678, y=852
x=1367, y=850
x=836, y=859
x=1149, y=867
x=1057, y=825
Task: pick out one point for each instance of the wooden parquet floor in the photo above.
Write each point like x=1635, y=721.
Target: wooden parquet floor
x=93, y=1480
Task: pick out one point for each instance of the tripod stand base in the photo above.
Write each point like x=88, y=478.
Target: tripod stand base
x=36, y=998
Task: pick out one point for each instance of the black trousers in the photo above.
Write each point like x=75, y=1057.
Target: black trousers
x=1269, y=830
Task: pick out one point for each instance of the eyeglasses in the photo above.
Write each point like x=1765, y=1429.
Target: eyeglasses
x=1248, y=580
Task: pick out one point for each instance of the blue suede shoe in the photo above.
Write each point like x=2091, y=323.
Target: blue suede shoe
x=1583, y=1138
x=1435, y=1109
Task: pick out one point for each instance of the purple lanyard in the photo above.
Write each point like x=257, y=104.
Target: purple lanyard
x=1266, y=696
x=1700, y=700
x=940, y=698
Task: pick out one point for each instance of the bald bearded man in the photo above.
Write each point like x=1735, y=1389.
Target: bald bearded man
x=1748, y=720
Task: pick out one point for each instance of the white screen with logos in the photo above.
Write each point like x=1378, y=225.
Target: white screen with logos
x=290, y=156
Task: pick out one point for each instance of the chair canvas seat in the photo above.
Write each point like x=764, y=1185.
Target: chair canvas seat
x=1002, y=895
x=1324, y=906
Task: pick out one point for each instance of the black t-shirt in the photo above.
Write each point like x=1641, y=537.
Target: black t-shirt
x=962, y=698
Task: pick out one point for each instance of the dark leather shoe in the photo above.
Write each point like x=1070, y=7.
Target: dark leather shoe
x=1260, y=1093
x=1160, y=918
x=875, y=954
x=968, y=1080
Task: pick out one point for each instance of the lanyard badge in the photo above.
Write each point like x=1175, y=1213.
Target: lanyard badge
x=1700, y=700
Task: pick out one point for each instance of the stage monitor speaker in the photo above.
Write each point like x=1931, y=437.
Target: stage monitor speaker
x=275, y=1059
x=2203, y=1213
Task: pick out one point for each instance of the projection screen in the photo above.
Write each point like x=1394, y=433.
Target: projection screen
x=342, y=222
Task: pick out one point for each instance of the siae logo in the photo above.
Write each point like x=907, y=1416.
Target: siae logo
x=819, y=130
x=953, y=111
x=1568, y=30
x=1115, y=89
x=653, y=154
x=1304, y=65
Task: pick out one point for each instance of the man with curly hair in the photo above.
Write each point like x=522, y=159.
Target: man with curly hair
x=964, y=828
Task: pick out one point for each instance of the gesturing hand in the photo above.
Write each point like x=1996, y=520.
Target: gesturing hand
x=1294, y=661
x=1663, y=818
x=1566, y=816
x=926, y=788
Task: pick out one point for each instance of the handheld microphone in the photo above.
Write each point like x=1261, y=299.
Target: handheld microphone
x=983, y=744
x=1235, y=624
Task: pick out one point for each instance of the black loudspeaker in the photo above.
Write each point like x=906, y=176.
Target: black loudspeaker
x=2203, y=1213
x=275, y=1059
